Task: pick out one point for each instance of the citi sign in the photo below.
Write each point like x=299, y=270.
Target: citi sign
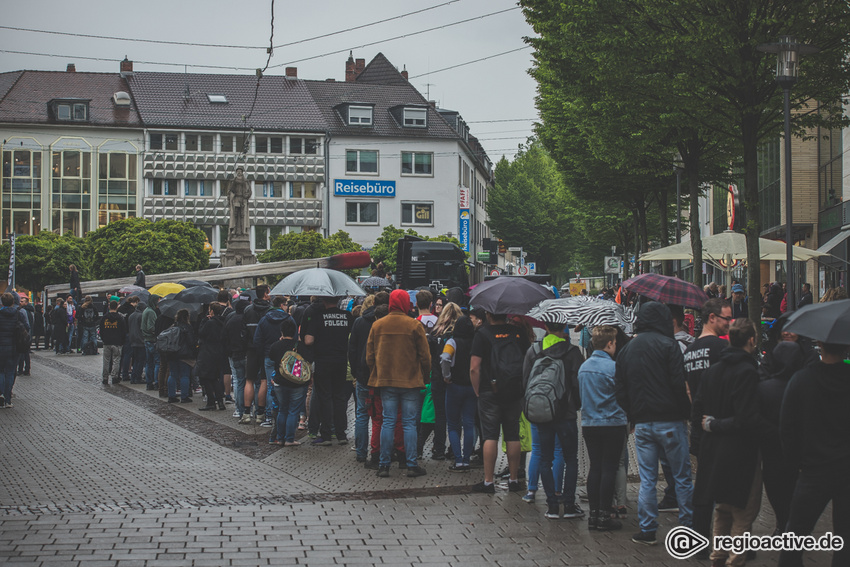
x=363, y=188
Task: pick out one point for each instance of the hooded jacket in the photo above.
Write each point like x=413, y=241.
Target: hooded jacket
x=234, y=339
x=268, y=330
x=357, y=346
x=397, y=350
x=572, y=358
x=211, y=357
x=134, y=326
x=149, y=316
x=59, y=319
x=814, y=420
x=251, y=318
x=650, y=377
x=9, y=318
x=113, y=328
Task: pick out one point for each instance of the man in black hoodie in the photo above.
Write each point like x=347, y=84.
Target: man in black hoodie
x=651, y=388
x=235, y=346
x=255, y=375
x=814, y=427
x=113, y=333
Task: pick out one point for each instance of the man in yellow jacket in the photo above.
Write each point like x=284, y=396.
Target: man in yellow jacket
x=397, y=353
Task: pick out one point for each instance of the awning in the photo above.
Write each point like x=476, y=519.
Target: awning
x=834, y=241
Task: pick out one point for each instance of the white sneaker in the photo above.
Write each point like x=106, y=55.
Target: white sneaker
x=237, y=414
x=246, y=419
x=267, y=423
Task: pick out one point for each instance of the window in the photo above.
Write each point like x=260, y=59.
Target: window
x=415, y=117
x=71, y=192
x=416, y=163
x=199, y=142
x=361, y=161
x=217, y=98
x=264, y=236
x=309, y=146
x=168, y=141
x=71, y=111
x=361, y=212
x=164, y=187
x=269, y=145
x=116, y=187
x=199, y=187
x=302, y=190
x=156, y=141
x=272, y=188
x=232, y=143
x=417, y=213
x=21, y=192
x=360, y=115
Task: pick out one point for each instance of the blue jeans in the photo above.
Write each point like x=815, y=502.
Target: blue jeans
x=408, y=399
x=70, y=342
x=291, y=401
x=151, y=363
x=237, y=372
x=7, y=376
x=669, y=438
x=269, y=370
x=461, y=405
x=567, y=433
x=534, y=462
x=179, y=371
x=361, y=422
x=88, y=335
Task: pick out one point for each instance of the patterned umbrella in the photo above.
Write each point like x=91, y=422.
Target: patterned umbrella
x=666, y=289
x=582, y=310
x=374, y=282
x=129, y=289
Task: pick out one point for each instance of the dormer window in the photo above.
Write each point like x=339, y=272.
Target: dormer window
x=415, y=117
x=70, y=110
x=360, y=115
x=217, y=98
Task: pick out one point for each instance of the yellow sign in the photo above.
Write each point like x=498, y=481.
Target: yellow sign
x=577, y=288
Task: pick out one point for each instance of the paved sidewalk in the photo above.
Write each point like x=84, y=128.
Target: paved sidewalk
x=96, y=475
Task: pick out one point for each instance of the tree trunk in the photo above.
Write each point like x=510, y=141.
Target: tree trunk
x=666, y=265
x=691, y=160
x=644, y=232
x=749, y=127
x=625, y=243
x=636, y=223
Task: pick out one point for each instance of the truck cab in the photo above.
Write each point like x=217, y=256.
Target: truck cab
x=437, y=265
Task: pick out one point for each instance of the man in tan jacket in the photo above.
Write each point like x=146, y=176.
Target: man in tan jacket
x=397, y=352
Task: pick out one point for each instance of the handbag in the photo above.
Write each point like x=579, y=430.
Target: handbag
x=294, y=368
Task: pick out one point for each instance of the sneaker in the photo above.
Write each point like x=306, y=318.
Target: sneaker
x=607, y=524
x=371, y=465
x=383, y=472
x=173, y=400
x=459, y=468
x=186, y=401
x=105, y=382
x=646, y=538
x=573, y=511
x=245, y=419
x=228, y=399
x=506, y=474
x=516, y=486
x=529, y=496
x=236, y=414
x=483, y=488
x=8, y=405
x=435, y=456
x=360, y=459
x=668, y=505
x=319, y=442
x=260, y=418
x=416, y=471
x=266, y=422
x=553, y=512
x=620, y=512
x=344, y=441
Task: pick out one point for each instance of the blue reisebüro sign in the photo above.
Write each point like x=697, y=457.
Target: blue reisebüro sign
x=363, y=188
x=464, y=230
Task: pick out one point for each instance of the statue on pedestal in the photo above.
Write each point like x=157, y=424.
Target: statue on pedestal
x=238, y=195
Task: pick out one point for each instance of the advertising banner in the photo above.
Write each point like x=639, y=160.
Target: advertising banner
x=463, y=230
x=363, y=188
x=464, y=198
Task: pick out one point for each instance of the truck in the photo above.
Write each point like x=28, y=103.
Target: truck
x=425, y=263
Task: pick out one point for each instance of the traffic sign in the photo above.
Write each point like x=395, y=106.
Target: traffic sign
x=523, y=270
x=515, y=248
x=612, y=264
x=532, y=267
x=495, y=272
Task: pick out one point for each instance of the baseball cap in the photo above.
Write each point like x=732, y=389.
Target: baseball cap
x=737, y=288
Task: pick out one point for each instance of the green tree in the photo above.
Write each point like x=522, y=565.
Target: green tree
x=527, y=206
x=43, y=259
x=306, y=245
x=160, y=247
x=385, y=248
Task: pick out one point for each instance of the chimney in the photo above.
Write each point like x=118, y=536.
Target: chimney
x=126, y=67
x=433, y=104
x=292, y=72
x=350, y=75
x=71, y=68
x=404, y=72
x=359, y=65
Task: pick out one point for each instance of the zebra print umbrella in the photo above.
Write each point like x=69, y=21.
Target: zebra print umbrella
x=586, y=311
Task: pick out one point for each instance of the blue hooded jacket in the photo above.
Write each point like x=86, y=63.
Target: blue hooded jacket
x=268, y=330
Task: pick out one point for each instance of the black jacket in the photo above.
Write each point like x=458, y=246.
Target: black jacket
x=59, y=319
x=113, y=329
x=251, y=318
x=234, y=339
x=815, y=419
x=728, y=455
x=211, y=357
x=650, y=375
x=38, y=321
x=357, y=345
x=140, y=279
x=573, y=359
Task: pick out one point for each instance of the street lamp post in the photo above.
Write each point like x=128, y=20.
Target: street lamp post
x=788, y=52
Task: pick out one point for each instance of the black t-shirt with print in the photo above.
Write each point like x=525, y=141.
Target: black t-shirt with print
x=482, y=346
x=699, y=356
x=330, y=327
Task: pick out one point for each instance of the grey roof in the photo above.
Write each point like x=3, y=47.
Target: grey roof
x=381, y=72
x=26, y=96
x=283, y=104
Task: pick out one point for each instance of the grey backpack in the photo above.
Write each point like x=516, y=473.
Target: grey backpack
x=545, y=389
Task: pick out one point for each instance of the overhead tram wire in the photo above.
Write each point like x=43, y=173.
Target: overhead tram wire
x=112, y=60
x=471, y=62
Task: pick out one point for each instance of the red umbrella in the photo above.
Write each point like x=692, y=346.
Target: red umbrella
x=666, y=289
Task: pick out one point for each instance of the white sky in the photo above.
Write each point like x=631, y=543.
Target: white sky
x=498, y=89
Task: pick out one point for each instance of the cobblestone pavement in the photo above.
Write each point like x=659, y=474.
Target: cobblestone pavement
x=95, y=475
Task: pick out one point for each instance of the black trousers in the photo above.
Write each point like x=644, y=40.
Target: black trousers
x=812, y=493
x=328, y=406
x=779, y=479
x=604, y=447
x=438, y=394
x=213, y=387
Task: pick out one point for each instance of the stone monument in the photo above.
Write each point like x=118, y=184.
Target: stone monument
x=238, y=252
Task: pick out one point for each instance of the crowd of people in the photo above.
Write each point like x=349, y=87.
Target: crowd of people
x=419, y=365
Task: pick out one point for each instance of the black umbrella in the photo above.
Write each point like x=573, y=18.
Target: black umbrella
x=825, y=322
x=197, y=294
x=170, y=307
x=194, y=283
x=509, y=295
x=142, y=294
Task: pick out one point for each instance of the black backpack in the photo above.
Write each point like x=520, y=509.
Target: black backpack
x=22, y=338
x=506, y=358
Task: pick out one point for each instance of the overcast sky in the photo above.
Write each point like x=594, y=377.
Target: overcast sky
x=495, y=96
